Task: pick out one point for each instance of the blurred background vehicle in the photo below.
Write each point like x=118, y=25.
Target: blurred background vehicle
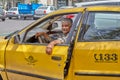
x=5, y=11
x=27, y=10
x=13, y=12
x=63, y=7
x=43, y=10
x=2, y=14
x=69, y=15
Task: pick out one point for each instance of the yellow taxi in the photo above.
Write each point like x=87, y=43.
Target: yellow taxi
x=91, y=51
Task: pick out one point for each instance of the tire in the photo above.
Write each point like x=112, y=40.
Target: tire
x=18, y=17
x=34, y=18
x=1, y=77
x=3, y=19
x=24, y=18
x=10, y=18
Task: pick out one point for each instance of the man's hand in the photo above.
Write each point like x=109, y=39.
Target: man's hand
x=51, y=45
x=38, y=34
x=49, y=48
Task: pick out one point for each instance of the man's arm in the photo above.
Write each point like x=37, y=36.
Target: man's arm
x=40, y=34
x=51, y=45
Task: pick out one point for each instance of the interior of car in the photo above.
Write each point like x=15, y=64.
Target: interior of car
x=51, y=26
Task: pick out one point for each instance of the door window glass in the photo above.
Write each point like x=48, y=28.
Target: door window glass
x=102, y=26
x=51, y=8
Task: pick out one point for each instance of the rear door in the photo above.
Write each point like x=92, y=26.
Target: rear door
x=96, y=55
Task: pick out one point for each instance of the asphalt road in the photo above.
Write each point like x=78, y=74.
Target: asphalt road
x=12, y=25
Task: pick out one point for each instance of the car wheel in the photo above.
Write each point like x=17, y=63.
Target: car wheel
x=1, y=77
x=18, y=17
x=10, y=18
x=3, y=19
x=34, y=18
x=24, y=18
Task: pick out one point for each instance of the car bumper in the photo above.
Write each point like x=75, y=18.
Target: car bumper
x=12, y=15
x=26, y=15
x=2, y=17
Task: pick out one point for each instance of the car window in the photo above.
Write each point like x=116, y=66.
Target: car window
x=98, y=3
x=43, y=7
x=55, y=8
x=51, y=8
x=12, y=9
x=52, y=26
x=1, y=11
x=102, y=26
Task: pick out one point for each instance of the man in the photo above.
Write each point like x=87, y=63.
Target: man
x=66, y=25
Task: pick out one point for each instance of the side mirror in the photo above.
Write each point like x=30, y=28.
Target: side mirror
x=54, y=25
x=17, y=39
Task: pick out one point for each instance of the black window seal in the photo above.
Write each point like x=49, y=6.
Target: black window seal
x=73, y=28
x=82, y=29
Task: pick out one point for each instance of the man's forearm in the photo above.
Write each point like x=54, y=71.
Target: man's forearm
x=55, y=42
x=51, y=45
x=46, y=37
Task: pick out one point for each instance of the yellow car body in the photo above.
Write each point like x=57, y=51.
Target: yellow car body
x=85, y=58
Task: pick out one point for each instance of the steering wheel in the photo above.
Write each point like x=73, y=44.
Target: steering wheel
x=40, y=39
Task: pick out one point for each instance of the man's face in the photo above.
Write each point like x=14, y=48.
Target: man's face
x=66, y=27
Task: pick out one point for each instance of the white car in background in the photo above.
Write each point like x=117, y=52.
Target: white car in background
x=13, y=12
x=2, y=14
x=64, y=7
x=43, y=10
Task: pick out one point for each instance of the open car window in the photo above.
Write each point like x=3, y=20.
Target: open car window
x=51, y=25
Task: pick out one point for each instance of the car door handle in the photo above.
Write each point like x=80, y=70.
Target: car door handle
x=57, y=58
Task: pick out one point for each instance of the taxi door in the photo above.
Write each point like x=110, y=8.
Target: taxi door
x=96, y=53
x=30, y=62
